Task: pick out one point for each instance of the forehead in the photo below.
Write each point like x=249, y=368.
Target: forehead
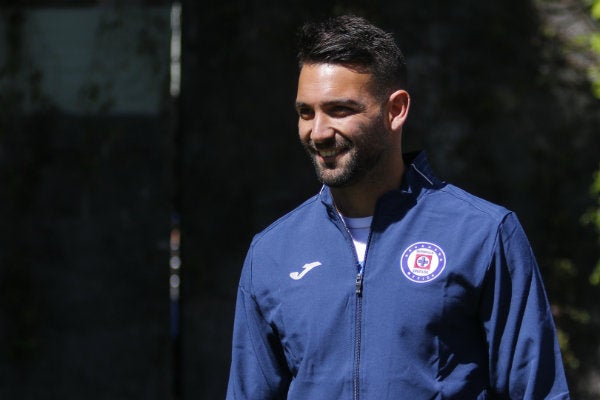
x=326, y=82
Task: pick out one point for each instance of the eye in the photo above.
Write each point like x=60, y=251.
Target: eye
x=305, y=113
x=341, y=111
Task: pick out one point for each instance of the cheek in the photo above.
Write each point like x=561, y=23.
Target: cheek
x=303, y=131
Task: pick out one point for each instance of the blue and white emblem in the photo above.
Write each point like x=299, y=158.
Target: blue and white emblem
x=423, y=262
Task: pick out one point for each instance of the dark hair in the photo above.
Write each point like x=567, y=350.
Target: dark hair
x=356, y=43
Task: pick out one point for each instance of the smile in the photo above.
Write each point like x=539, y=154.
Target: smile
x=329, y=153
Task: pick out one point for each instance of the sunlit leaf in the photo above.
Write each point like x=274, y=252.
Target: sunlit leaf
x=595, y=10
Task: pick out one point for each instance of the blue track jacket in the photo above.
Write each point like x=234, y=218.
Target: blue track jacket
x=449, y=304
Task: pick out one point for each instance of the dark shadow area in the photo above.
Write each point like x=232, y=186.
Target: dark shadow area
x=86, y=199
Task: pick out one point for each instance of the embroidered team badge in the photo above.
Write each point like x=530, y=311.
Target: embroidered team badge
x=423, y=262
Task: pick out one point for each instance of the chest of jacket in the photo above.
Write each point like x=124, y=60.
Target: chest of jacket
x=420, y=292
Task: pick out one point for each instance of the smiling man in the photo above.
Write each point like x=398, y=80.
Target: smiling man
x=389, y=283
x=352, y=134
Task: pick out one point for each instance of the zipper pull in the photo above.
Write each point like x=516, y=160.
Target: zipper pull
x=359, y=283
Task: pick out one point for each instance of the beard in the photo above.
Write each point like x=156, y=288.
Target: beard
x=359, y=160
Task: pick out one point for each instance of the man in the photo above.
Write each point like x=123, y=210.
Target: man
x=389, y=283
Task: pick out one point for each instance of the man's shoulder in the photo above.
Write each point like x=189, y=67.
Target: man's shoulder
x=293, y=220
x=459, y=199
x=447, y=197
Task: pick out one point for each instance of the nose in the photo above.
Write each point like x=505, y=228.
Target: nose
x=321, y=130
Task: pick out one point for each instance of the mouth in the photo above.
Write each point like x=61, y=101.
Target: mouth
x=329, y=153
x=330, y=156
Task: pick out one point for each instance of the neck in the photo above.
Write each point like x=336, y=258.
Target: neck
x=359, y=200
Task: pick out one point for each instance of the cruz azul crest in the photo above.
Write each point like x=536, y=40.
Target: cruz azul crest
x=423, y=262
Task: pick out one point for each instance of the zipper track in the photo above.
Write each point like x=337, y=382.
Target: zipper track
x=358, y=313
x=358, y=334
x=359, y=299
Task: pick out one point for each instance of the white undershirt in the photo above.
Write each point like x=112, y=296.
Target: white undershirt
x=359, y=229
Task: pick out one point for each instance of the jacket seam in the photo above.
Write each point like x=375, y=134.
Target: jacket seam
x=258, y=237
x=262, y=372
x=450, y=191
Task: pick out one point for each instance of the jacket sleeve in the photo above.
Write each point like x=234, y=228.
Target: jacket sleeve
x=258, y=368
x=524, y=357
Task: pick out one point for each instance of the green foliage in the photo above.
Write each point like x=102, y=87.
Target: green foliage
x=592, y=217
x=591, y=43
x=574, y=277
x=595, y=9
x=594, y=43
x=594, y=71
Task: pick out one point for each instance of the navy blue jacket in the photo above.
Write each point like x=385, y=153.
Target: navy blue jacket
x=449, y=304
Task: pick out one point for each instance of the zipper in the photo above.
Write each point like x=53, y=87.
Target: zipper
x=358, y=331
x=359, y=281
x=358, y=285
x=359, y=299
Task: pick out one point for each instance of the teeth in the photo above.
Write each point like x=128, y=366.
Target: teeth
x=328, y=153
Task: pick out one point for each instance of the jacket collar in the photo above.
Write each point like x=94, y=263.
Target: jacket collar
x=418, y=173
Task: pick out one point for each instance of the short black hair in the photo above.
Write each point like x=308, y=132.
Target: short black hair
x=354, y=42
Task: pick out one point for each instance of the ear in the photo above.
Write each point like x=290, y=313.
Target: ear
x=398, y=105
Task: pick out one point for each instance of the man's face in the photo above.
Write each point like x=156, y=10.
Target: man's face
x=340, y=123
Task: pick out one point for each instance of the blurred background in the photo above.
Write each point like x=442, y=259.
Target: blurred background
x=143, y=143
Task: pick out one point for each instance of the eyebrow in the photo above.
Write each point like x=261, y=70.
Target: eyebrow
x=337, y=102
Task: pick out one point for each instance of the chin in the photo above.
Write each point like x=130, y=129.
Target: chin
x=337, y=181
